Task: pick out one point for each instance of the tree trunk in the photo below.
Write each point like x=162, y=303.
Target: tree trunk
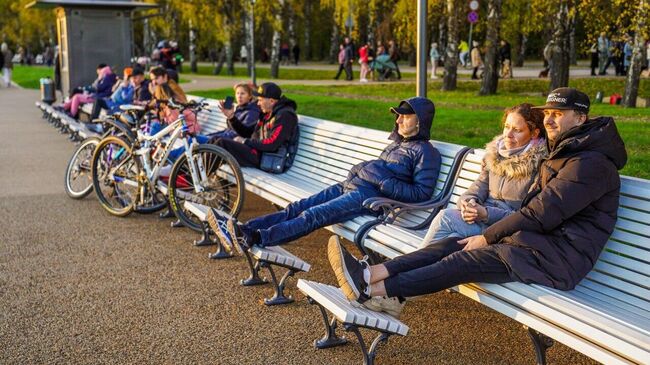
x=307, y=31
x=559, y=67
x=442, y=35
x=334, y=44
x=636, y=63
x=573, y=53
x=221, y=58
x=250, y=47
x=230, y=65
x=451, y=54
x=491, y=73
x=275, y=42
x=521, y=52
x=193, y=63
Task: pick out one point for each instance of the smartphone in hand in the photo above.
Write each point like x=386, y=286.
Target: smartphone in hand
x=227, y=104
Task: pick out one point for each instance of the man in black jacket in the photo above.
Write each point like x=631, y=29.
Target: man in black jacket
x=277, y=127
x=553, y=240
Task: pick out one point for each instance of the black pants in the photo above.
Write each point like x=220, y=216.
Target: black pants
x=246, y=156
x=98, y=105
x=443, y=265
x=474, y=73
x=348, y=71
x=341, y=68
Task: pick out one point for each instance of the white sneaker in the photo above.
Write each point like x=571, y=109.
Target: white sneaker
x=363, y=80
x=389, y=305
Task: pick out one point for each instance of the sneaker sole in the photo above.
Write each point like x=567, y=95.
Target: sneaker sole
x=335, y=256
x=235, y=242
x=213, y=222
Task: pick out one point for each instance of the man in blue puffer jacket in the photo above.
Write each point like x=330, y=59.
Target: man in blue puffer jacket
x=406, y=170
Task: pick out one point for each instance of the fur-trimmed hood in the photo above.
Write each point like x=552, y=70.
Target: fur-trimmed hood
x=518, y=166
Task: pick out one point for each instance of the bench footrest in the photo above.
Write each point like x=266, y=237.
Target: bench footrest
x=267, y=257
x=368, y=354
x=206, y=239
x=254, y=277
x=541, y=343
x=329, y=339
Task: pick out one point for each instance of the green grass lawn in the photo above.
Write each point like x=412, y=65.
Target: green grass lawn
x=463, y=117
x=29, y=76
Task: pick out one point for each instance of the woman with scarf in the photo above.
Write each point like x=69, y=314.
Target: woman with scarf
x=509, y=167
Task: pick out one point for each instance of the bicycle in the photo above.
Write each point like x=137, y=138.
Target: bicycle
x=78, y=178
x=124, y=172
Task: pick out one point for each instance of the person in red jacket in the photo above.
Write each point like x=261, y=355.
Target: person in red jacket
x=277, y=127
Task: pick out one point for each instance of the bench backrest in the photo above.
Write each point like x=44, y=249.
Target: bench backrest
x=328, y=150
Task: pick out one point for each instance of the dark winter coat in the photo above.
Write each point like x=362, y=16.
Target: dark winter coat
x=407, y=169
x=273, y=130
x=104, y=86
x=245, y=119
x=556, y=237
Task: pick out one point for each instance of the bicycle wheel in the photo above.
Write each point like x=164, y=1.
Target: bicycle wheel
x=153, y=200
x=115, y=176
x=78, y=180
x=223, y=187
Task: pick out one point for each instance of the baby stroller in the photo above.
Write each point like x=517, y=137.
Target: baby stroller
x=383, y=68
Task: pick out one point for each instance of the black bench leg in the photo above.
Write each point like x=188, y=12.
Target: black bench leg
x=330, y=339
x=278, y=296
x=541, y=343
x=206, y=239
x=254, y=278
x=368, y=355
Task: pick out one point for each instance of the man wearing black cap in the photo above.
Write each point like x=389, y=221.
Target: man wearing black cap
x=276, y=130
x=553, y=240
x=407, y=170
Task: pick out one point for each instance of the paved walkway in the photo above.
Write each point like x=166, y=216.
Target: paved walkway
x=78, y=286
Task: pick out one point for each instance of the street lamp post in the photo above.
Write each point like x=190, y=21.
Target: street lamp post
x=252, y=50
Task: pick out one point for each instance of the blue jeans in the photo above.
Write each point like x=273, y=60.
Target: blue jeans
x=449, y=223
x=330, y=206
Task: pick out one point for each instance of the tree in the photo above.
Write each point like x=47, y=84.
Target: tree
x=491, y=73
x=560, y=51
x=634, y=72
x=451, y=53
x=277, y=38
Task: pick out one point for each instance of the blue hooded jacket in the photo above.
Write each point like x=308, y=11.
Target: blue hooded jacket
x=408, y=168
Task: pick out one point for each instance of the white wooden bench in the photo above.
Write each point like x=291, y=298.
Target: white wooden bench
x=606, y=317
x=326, y=152
x=351, y=318
x=65, y=123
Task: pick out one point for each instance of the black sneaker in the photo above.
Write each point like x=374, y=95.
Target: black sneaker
x=239, y=239
x=218, y=224
x=348, y=270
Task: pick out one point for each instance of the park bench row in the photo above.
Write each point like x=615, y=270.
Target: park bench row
x=607, y=317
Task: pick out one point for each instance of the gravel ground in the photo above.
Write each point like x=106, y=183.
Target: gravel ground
x=79, y=286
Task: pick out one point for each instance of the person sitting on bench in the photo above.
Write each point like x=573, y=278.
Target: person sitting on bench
x=243, y=116
x=134, y=88
x=276, y=130
x=406, y=171
x=509, y=167
x=102, y=87
x=553, y=240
